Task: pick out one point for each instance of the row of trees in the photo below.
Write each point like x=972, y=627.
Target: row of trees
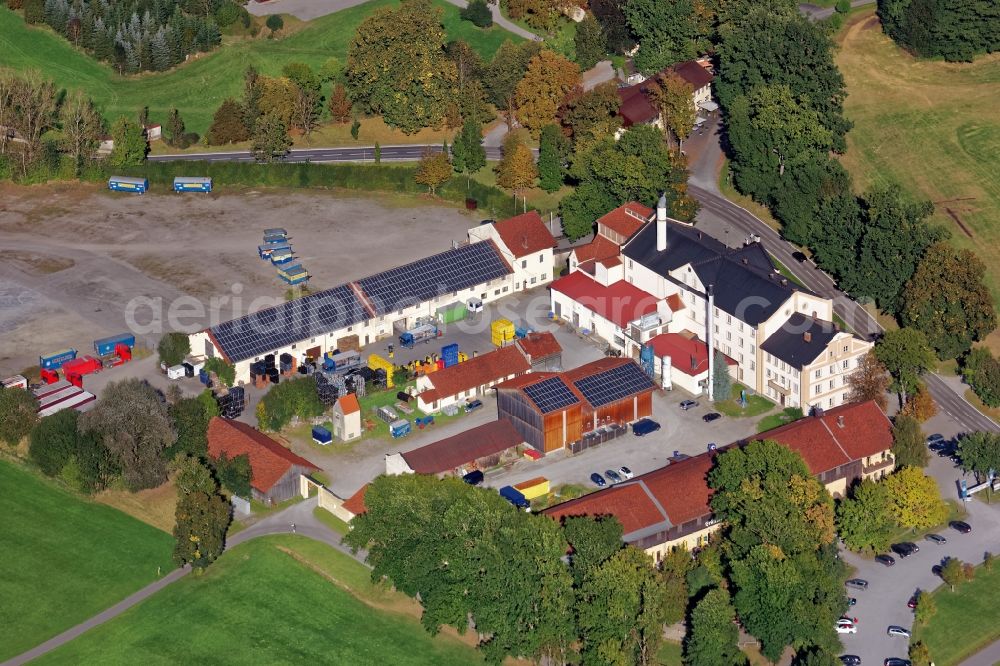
x=949, y=29
x=136, y=35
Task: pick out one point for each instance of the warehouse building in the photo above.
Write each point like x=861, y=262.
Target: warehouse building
x=554, y=411
x=482, y=447
x=500, y=259
x=669, y=507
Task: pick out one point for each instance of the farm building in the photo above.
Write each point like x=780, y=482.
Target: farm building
x=543, y=351
x=449, y=386
x=276, y=470
x=347, y=418
x=481, y=448
x=373, y=308
x=554, y=410
x=669, y=507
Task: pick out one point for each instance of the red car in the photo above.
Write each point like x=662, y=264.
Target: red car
x=912, y=603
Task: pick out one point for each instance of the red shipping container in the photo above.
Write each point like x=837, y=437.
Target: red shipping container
x=440, y=364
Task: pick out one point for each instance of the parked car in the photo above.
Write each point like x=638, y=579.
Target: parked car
x=887, y=560
x=688, y=404
x=711, y=416
x=473, y=405
x=936, y=437
x=897, y=631
x=625, y=472
x=612, y=476
x=896, y=661
x=846, y=627
x=851, y=601
x=484, y=222
x=850, y=660
x=960, y=526
x=905, y=549
x=474, y=478
x=598, y=480
x=857, y=584
x=644, y=427
x=912, y=603
x=946, y=450
x=937, y=538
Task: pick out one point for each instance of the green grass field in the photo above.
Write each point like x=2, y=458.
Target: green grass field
x=967, y=619
x=931, y=126
x=198, y=87
x=275, y=600
x=65, y=559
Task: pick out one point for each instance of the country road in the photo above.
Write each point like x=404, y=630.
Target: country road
x=359, y=154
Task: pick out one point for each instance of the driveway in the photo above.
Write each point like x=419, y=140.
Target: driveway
x=884, y=602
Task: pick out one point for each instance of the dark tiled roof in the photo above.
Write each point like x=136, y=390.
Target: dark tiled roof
x=800, y=340
x=743, y=285
x=465, y=447
x=693, y=73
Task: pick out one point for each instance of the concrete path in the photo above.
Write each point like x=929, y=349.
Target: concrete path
x=310, y=9
x=301, y=515
x=819, y=13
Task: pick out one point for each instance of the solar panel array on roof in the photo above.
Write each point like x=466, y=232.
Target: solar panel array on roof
x=267, y=330
x=614, y=384
x=550, y=394
x=449, y=271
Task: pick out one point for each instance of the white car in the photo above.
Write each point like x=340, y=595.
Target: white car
x=846, y=627
x=625, y=472
x=893, y=630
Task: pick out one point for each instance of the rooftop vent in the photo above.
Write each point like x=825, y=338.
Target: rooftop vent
x=840, y=421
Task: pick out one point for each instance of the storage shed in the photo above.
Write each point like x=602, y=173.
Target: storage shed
x=347, y=418
x=481, y=447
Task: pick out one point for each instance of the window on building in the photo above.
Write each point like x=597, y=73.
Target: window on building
x=819, y=373
x=846, y=347
x=741, y=359
x=496, y=292
x=524, y=263
x=533, y=280
x=716, y=328
x=795, y=388
x=845, y=364
x=817, y=389
x=752, y=365
x=630, y=263
x=830, y=402
x=350, y=328
x=541, y=258
x=729, y=336
x=545, y=276
x=752, y=349
x=517, y=285
x=505, y=290
x=768, y=373
x=833, y=384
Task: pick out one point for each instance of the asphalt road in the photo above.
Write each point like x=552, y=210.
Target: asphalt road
x=360, y=154
x=817, y=13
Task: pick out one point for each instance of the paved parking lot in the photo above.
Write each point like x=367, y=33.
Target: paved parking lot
x=884, y=602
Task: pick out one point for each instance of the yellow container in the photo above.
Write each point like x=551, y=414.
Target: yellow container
x=376, y=362
x=532, y=488
x=501, y=331
x=462, y=357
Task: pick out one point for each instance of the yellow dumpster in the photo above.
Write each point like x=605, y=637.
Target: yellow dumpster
x=532, y=488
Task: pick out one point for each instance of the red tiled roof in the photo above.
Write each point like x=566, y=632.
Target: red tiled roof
x=693, y=73
x=356, y=502
x=683, y=352
x=625, y=219
x=477, y=371
x=269, y=460
x=525, y=234
x=610, y=262
x=539, y=345
x=620, y=302
x=349, y=404
x=465, y=447
x=682, y=489
x=597, y=249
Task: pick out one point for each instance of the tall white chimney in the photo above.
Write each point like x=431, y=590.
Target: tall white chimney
x=661, y=224
x=710, y=322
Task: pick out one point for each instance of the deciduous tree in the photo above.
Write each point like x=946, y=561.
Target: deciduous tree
x=270, y=138
x=914, y=499
x=591, y=115
x=18, y=414
x=468, y=153
x=274, y=23
x=614, y=25
x=919, y=654
x=906, y=355
x=673, y=96
x=341, y=108
x=981, y=371
x=517, y=170
x=947, y=299
x=921, y=405
x=667, y=31
x=434, y=170
x=869, y=381
x=589, y=42
x=547, y=80
x=191, y=425
x=504, y=73
x=200, y=531
x=953, y=573
x=908, y=444
x=81, y=125
x=54, y=441
x=227, y=124
x=234, y=473
x=864, y=520
x=131, y=421
x=130, y=146
x=192, y=476
x=593, y=540
x=552, y=150
x=980, y=453
x=713, y=638
x=308, y=95
x=926, y=607
x=173, y=347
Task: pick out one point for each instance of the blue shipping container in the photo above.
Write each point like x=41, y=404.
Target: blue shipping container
x=321, y=435
x=55, y=361
x=185, y=184
x=126, y=184
x=106, y=346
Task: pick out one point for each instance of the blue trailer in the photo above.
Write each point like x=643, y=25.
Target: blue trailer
x=321, y=435
x=422, y=333
x=294, y=275
x=282, y=256
x=106, y=346
x=400, y=428
x=127, y=184
x=188, y=184
x=515, y=497
x=276, y=238
x=267, y=249
x=276, y=231
x=55, y=361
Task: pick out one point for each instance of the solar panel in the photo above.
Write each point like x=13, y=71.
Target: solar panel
x=614, y=384
x=550, y=394
x=264, y=331
x=423, y=280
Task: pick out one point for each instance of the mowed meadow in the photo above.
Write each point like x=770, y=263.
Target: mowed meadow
x=198, y=87
x=932, y=126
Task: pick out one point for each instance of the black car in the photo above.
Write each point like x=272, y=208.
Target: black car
x=896, y=661
x=801, y=257
x=887, y=560
x=473, y=405
x=473, y=478
x=960, y=526
x=850, y=660
x=711, y=416
x=905, y=549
